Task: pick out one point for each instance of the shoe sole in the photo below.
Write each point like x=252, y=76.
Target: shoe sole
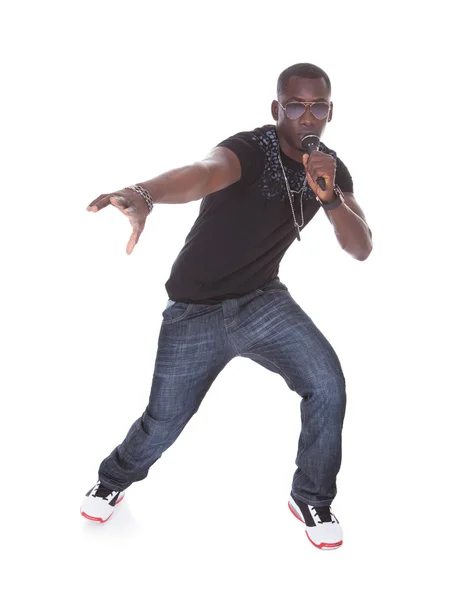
x=99, y=519
x=323, y=545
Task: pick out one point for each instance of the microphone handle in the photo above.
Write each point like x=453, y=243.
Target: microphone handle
x=321, y=183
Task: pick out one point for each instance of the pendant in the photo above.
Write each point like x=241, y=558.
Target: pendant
x=297, y=229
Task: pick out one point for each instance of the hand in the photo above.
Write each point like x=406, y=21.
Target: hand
x=131, y=204
x=319, y=164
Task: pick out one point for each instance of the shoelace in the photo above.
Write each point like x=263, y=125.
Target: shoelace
x=324, y=513
x=101, y=491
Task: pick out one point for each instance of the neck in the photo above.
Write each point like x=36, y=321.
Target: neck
x=290, y=151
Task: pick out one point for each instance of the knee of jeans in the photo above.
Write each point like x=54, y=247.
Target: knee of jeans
x=335, y=394
x=332, y=387
x=337, y=383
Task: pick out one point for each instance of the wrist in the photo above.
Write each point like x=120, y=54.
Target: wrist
x=326, y=198
x=336, y=200
x=144, y=193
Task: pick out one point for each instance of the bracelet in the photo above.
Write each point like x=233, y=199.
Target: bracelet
x=145, y=195
x=339, y=199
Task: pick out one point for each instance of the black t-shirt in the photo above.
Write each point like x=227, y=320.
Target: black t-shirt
x=243, y=231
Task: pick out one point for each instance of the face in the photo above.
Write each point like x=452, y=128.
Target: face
x=291, y=131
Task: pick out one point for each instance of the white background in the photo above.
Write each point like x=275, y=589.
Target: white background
x=99, y=95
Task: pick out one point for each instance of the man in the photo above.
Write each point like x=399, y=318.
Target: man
x=259, y=190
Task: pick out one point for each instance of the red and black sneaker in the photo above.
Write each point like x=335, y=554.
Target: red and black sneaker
x=322, y=527
x=99, y=503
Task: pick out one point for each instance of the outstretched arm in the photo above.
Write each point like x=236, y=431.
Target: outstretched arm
x=221, y=168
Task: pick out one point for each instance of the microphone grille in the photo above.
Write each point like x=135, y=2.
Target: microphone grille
x=310, y=142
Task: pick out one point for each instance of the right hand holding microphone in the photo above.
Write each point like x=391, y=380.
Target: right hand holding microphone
x=130, y=203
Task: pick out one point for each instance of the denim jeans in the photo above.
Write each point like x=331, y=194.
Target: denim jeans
x=196, y=341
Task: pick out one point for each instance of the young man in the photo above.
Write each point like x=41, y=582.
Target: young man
x=259, y=190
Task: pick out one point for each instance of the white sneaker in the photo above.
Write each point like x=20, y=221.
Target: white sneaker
x=99, y=503
x=322, y=527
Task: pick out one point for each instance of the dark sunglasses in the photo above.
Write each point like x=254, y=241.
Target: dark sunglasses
x=294, y=110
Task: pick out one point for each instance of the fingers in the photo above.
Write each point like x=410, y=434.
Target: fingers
x=310, y=169
x=105, y=199
x=320, y=165
x=101, y=202
x=119, y=202
x=129, y=208
x=314, y=165
x=311, y=182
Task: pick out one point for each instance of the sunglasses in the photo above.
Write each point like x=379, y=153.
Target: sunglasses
x=294, y=110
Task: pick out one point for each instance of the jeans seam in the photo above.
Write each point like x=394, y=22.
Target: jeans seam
x=286, y=377
x=233, y=343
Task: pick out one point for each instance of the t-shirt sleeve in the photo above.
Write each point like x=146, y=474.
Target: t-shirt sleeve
x=343, y=178
x=249, y=153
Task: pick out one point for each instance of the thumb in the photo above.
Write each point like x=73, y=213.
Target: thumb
x=305, y=159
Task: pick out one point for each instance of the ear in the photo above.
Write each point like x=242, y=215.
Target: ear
x=275, y=110
x=330, y=114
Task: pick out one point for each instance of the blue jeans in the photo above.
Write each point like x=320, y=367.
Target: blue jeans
x=196, y=341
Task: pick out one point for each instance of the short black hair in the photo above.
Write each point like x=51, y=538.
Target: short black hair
x=306, y=70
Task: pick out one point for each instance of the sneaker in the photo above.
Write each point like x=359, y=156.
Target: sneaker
x=99, y=503
x=322, y=527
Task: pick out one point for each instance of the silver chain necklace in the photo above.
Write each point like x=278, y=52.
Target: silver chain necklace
x=290, y=193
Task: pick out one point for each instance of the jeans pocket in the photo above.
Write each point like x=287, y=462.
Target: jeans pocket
x=175, y=311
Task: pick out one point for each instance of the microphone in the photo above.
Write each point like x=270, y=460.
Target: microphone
x=309, y=143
